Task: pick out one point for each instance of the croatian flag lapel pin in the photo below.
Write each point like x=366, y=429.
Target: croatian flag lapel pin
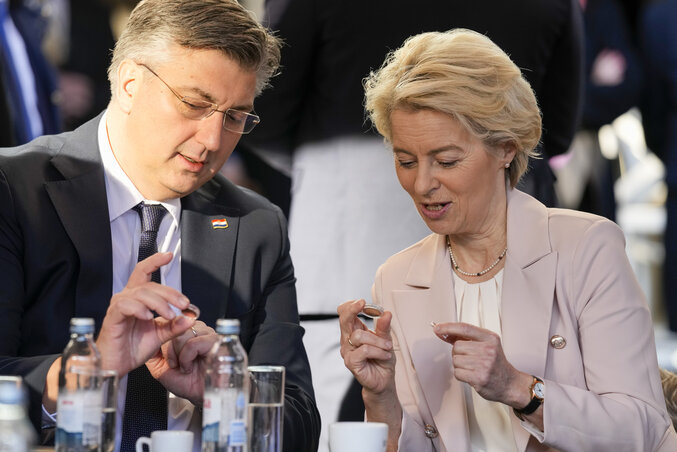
x=219, y=223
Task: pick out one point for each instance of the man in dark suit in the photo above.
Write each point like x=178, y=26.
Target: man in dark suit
x=184, y=76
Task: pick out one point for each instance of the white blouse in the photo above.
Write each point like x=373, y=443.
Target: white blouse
x=480, y=304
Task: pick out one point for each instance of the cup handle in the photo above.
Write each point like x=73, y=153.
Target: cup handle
x=140, y=442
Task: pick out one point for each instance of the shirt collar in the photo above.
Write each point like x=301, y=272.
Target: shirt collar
x=121, y=193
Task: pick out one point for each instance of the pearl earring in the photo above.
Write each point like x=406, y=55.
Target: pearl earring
x=507, y=165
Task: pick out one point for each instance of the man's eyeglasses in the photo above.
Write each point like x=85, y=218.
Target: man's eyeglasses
x=192, y=108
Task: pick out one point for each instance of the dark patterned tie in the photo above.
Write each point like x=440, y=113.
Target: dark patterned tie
x=146, y=400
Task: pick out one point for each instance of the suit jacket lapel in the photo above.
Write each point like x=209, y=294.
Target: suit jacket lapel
x=81, y=204
x=208, y=251
x=431, y=298
x=528, y=290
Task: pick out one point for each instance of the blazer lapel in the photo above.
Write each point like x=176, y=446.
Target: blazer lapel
x=209, y=233
x=81, y=204
x=431, y=298
x=528, y=291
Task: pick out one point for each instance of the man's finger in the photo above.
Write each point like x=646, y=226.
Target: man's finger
x=195, y=348
x=144, y=269
x=169, y=329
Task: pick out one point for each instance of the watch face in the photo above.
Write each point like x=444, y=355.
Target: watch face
x=539, y=390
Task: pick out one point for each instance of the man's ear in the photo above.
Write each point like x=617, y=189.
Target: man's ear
x=129, y=78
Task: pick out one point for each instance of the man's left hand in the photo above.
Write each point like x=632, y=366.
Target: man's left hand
x=181, y=363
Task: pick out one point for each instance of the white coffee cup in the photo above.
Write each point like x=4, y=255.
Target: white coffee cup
x=358, y=437
x=166, y=441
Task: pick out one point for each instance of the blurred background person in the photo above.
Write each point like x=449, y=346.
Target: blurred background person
x=526, y=302
x=659, y=47
x=80, y=38
x=613, y=84
x=28, y=82
x=347, y=210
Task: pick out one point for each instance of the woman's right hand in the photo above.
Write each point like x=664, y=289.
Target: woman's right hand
x=367, y=354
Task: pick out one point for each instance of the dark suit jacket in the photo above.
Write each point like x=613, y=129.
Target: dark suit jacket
x=659, y=115
x=56, y=263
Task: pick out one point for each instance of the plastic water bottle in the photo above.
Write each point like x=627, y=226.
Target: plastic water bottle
x=224, y=426
x=16, y=431
x=78, y=418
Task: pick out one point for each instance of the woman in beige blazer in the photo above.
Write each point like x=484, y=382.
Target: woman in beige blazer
x=512, y=327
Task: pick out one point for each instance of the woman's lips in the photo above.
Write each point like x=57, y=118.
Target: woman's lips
x=434, y=210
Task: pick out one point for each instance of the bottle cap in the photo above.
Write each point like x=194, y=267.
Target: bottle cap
x=228, y=326
x=11, y=390
x=82, y=325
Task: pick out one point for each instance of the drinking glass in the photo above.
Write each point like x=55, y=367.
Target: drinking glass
x=109, y=391
x=266, y=408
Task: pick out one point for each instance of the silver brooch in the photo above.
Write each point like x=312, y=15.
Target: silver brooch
x=558, y=341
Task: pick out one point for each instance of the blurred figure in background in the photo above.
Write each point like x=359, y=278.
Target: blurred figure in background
x=348, y=212
x=79, y=44
x=659, y=113
x=28, y=84
x=612, y=87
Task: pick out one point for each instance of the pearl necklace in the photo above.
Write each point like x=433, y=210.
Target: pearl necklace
x=455, y=266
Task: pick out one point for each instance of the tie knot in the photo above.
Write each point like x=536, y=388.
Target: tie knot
x=151, y=215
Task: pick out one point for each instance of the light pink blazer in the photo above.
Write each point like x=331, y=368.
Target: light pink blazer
x=566, y=273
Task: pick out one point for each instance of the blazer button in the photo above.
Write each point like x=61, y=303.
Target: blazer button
x=558, y=341
x=430, y=431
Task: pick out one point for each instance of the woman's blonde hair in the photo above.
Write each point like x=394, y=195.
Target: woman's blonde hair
x=465, y=75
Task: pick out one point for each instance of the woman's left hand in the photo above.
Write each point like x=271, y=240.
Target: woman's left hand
x=479, y=360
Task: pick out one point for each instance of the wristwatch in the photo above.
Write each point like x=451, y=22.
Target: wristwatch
x=537, y=390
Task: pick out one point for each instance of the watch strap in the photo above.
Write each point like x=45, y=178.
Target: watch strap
x=533, y=404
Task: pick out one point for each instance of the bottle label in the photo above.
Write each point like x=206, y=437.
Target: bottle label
x=91, y=428
x=211, y=414
x=79, y=412
x=69, y=412
x=238, y=433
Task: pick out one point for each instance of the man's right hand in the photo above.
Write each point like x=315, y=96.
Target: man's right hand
x=130, y=334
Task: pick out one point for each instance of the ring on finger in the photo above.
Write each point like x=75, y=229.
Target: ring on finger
x=193, y=330
x=351, y=343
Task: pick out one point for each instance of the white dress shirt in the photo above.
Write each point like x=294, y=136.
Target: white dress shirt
x=125, y=227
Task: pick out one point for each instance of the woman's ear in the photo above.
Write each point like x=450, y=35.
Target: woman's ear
x=128, y=83
x=507, y=153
